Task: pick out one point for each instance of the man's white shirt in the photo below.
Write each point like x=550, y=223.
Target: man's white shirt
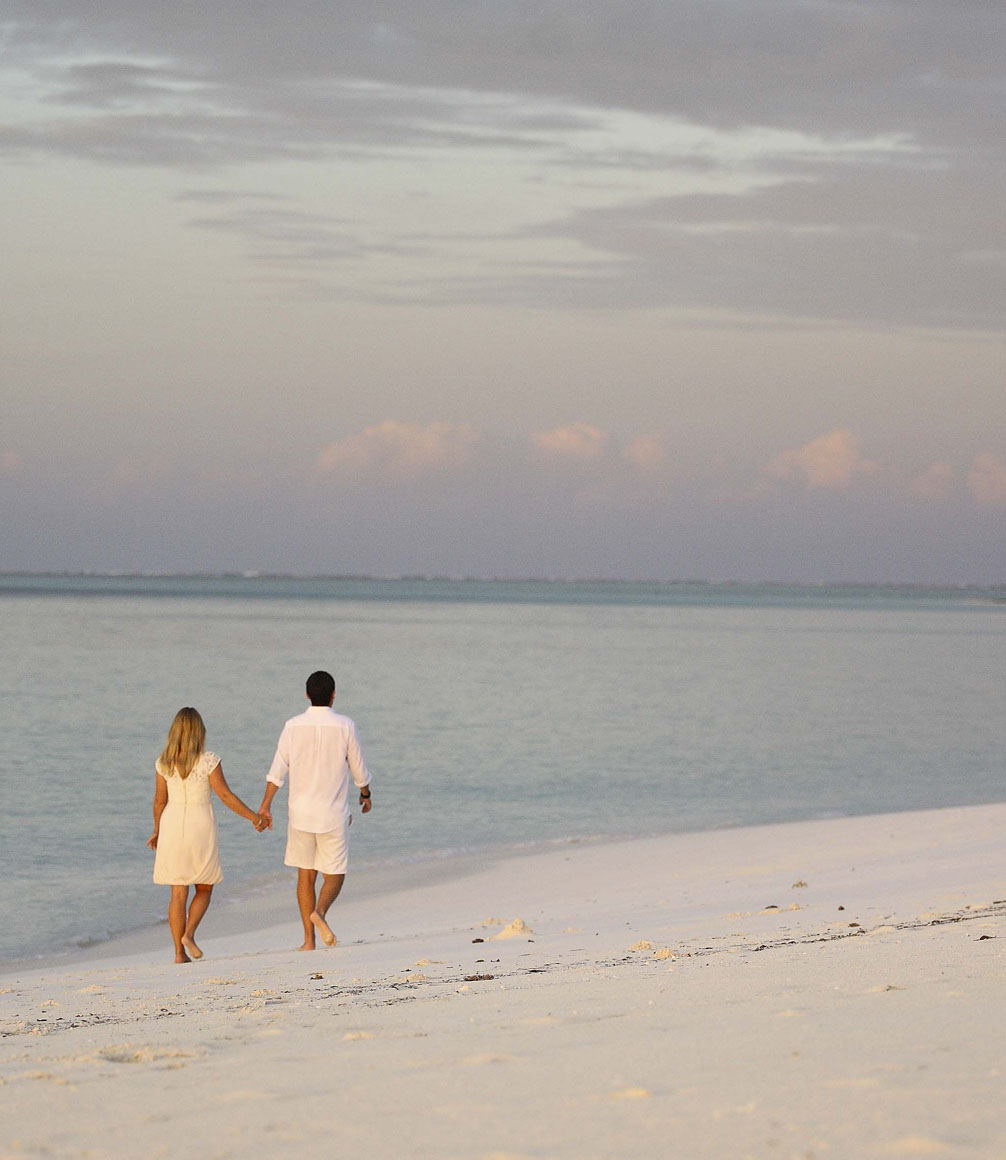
x=319, y=749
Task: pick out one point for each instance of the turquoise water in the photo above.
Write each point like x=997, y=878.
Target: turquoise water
x=491, y=714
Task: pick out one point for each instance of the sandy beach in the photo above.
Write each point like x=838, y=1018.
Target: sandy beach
x=822, y=989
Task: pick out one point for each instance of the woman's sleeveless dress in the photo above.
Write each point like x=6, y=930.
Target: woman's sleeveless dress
x=187, y=847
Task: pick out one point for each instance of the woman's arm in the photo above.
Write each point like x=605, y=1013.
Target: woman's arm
x=160, y=801
x=231, y=800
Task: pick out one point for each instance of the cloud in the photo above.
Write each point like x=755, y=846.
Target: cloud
x=10, y=462
x=647, y=453
x=395, y=451
x=847, y=67
x=987, y=481
x=579, y=441
x=832, y=161
x=831, y=462
x=935, y=483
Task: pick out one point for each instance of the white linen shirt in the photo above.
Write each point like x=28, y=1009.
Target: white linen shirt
x=319, y=749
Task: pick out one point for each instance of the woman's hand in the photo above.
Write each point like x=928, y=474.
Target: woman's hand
x=152, y=840
x=259, y=823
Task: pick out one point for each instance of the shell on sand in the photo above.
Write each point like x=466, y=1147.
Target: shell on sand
x=515, y=929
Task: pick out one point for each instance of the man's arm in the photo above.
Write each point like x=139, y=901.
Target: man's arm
x=276, y=776
x=264, y=812
x=358, y=768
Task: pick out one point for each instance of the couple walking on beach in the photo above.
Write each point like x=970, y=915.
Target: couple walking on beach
x=319, y=750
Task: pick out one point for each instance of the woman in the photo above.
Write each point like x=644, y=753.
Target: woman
x=185, y=830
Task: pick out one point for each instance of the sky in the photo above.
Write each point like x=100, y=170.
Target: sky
x=691, y=289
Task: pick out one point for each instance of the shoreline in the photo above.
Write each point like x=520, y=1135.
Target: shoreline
x=822, y=988
x=270, y=904
x=267, y=903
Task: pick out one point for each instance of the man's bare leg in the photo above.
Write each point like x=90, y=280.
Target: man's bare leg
x=197, y=908
x=176, y=921
x=330, y=886
x=306, y=901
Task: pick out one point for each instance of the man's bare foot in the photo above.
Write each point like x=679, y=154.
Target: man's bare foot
x=308, y=946
x=322, y=927
x=190, y=946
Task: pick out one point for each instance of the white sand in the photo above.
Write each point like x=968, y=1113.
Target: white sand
x=826, y=989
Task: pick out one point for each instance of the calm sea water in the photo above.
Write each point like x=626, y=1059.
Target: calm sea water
x=492, y=715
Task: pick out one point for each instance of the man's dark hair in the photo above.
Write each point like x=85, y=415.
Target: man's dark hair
x=321, y=688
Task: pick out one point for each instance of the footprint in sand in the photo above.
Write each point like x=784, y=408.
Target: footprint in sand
x=125, y=1053
x=915, y=1146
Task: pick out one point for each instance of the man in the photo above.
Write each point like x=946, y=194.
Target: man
x=319, y=749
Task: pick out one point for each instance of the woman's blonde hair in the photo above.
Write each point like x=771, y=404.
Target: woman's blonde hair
x=184, y=746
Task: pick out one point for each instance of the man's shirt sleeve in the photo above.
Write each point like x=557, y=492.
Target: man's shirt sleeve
x=281, y=762
x=354, y=759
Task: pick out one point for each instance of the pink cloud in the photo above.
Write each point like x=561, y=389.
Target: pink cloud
x=831, y=462
x=987, y=481
x=10, y=462
x=646, y=452
x=935, y=483
x=394, y=450
x=577, y=441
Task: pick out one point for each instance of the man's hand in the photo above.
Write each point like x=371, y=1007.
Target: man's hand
x=266, y=818
x=365, y=802
x=260, y=823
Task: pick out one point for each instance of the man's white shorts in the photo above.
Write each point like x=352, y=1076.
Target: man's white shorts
x=328, y=853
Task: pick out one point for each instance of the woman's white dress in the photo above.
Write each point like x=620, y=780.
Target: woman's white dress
x=187, y=847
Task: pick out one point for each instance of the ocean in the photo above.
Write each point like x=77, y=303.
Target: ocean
x=494, y=716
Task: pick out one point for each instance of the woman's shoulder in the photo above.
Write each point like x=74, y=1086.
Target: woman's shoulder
x=205, y=765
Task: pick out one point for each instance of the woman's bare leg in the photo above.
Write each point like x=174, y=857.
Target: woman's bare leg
x=197, y=908
x=306, y=900
x=176, y=921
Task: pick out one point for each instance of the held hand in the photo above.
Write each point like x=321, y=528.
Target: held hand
x=259, y=823
x=152, y=841
x=266, y=819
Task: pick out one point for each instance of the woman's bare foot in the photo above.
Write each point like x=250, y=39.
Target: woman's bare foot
x=190, y=946
x=182, y=958
x=322, y=927
x=308, y=946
